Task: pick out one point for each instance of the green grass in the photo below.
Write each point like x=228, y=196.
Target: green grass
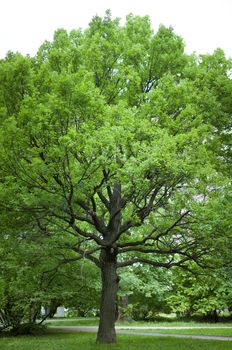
x=74, y=322
x=83, y=341
x=94, y=322
x=174, y=323
x=213, y=331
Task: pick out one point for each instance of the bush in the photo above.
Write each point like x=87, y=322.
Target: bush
x=25, y=329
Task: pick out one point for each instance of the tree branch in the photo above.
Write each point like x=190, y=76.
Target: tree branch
x=88, y=255
x=103, y=199
x=167, y=265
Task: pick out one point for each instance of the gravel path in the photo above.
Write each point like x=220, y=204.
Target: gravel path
x=124, y=330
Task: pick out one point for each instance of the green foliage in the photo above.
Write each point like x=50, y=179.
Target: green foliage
x=15, y=77
x=201, y=293
x=31, y=277
x=142, y=294
x=27, y=329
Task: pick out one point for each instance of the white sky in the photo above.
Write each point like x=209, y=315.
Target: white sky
x=204, y=24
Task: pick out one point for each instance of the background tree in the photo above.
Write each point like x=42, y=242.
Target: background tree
x=112, y=145
x=143, y=292
x=204, y=294
x=32, y=277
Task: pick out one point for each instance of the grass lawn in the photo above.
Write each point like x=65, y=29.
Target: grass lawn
x=95, y=321
x=226, y=332
x=73, y=322
x=83, y=341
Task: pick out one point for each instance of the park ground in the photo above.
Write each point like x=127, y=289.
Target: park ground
x=85, y=341
x=78, y=334
x=165, y=327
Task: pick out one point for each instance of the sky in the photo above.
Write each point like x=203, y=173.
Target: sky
x=203, y=24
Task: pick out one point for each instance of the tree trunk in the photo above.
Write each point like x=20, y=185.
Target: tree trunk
x=122, y=315
x=108, y=308
x=215, y=316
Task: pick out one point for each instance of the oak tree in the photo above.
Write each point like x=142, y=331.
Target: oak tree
x=112, y=137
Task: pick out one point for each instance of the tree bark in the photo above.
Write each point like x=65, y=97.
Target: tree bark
x=108, y=308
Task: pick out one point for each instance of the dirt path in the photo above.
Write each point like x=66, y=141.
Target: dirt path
x=124, y=330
